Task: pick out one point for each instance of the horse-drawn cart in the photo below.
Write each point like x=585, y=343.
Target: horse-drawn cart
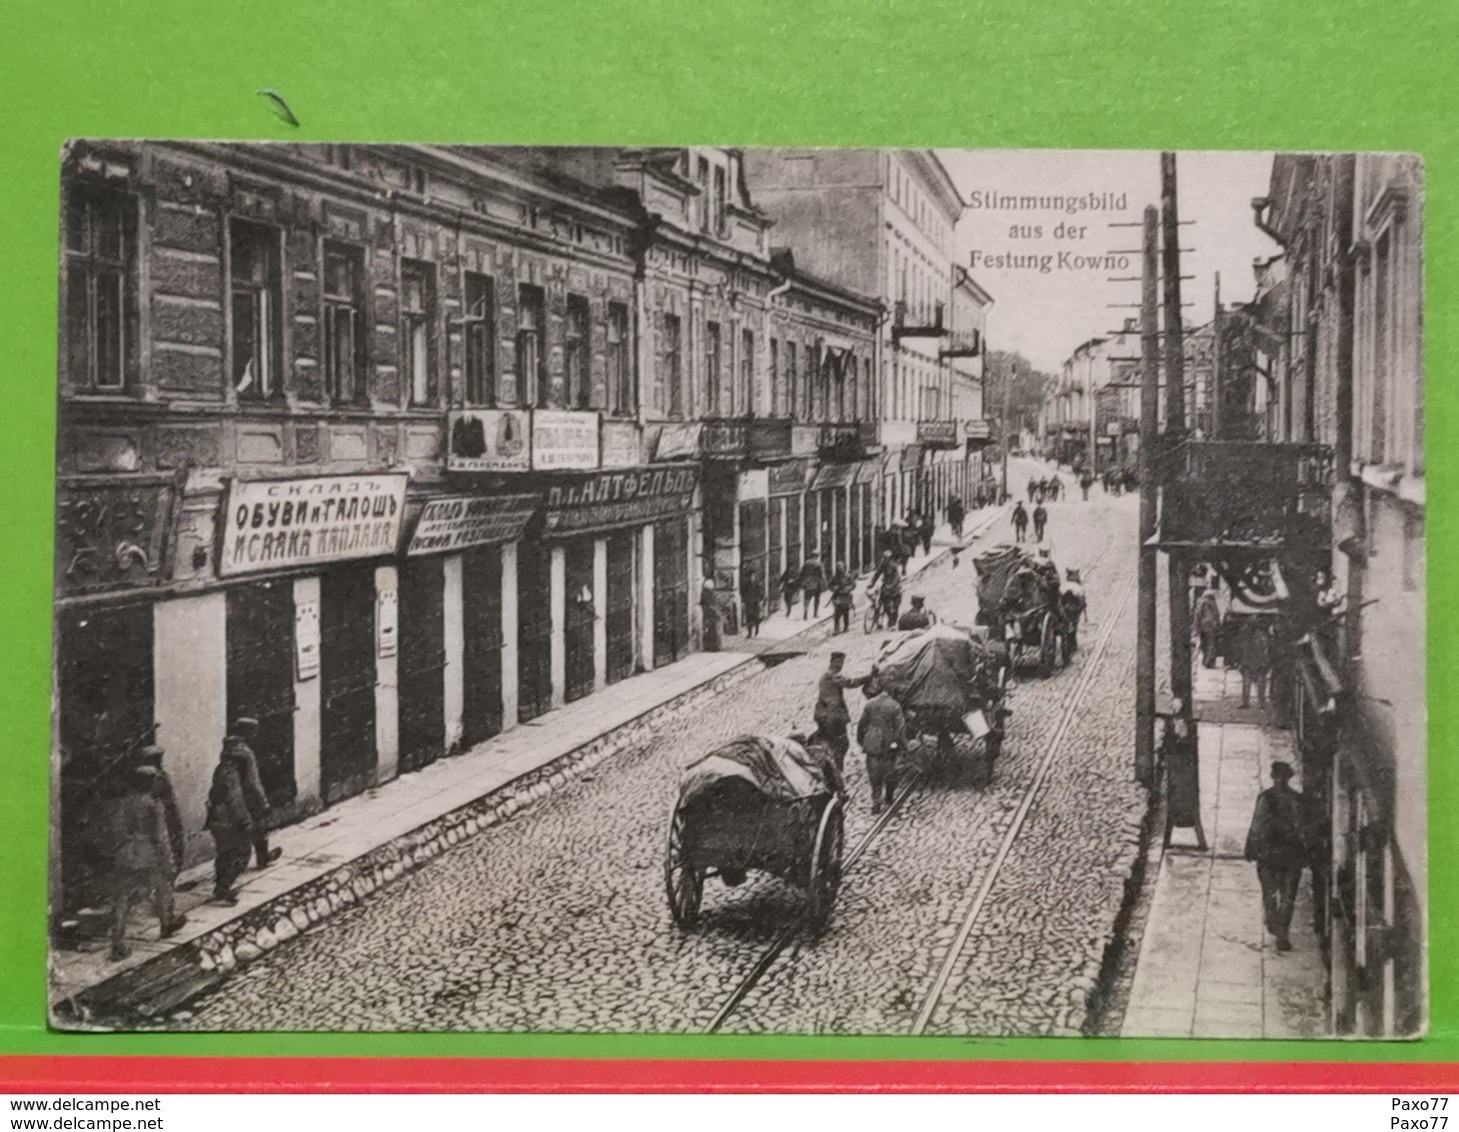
x=763, y=804
x=1023, y=603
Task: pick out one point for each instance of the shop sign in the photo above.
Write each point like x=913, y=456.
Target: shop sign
x=835, y=475
x=306, y=640
x=869, y=471
x=937, y=434
x=115, y=533
x=789, y=478
x=622, y=444
x=619, y=499
x=772, y=438
x=804, y=439
x=387, y=623
x=282, y=524
x=841, y=442
x=979, y=430
x=911, y=457
x=563, y=440
x=678, y=442
x=489, y=440
x=455, y=522
x=724, y=440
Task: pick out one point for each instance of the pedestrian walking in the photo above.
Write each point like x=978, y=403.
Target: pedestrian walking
x=843, y=590
x=1056, y=488
x=1086, y=481
x=750, y=599
x=812, y=584
x=1020, y=521
x=1033, y=487
x=833, y=718
x=955, y=515
x=1208, y=626
x=1254, y=658
x=242, y=737
x=1277, y=843
x=142, y=860
x=925, y=530
x=1040, y=521
x=162, y=790
x=713, y=616
x=887, y=580
x=881, y=732
x=230, y=823
x=790, y=589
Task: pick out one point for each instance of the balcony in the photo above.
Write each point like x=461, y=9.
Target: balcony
x=937, y=434
x=846, y=441
x=771, y=439
x=962, y=344
x=903, y=325
x=757, y=439
x=1241, y=495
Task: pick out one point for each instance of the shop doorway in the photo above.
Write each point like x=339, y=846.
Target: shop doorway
x=261, y=678
x=422, y=663
x=347, y=752
x=581, y=615
x=534, y=630
x=621, y=574
x=481, y=618
x=753, y=546
x=671, y=590
x=774, y=554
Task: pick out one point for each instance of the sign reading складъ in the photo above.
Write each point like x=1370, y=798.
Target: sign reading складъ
x=278, y=524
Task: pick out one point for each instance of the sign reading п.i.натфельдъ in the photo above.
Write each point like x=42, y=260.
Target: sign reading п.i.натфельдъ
x=278, y=524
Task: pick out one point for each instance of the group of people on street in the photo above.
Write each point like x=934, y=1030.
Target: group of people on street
x=1049, y=488
x=1021, y=518
x=881, y=732
x=146, y=839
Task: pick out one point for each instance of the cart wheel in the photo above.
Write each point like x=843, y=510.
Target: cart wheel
x=684, y=885
x=1048, y=646
x=825, y=878
x=869, y=619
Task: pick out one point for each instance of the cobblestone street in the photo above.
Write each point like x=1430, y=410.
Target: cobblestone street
x=556, y=921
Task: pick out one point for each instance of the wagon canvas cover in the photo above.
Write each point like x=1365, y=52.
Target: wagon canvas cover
x=995, y=567
x=782, y=770
x=932, y=669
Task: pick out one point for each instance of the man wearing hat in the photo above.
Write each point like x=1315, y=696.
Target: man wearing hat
x=162, y=790
x=882, y=733
x=833, y=718
x=917, y=617
x=1277, y=843
x=142, y=860
x=240, y=740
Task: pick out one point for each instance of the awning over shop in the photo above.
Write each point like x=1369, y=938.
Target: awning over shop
x=834, y=475
x=911, y=457
x=455, y=522
x=788, y=478
x=869, y=471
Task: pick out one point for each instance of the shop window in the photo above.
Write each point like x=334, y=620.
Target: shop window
x=418, y=316
x=479, y=332
x=621, y=398
x=344, y=322
x=100, y=237
x=775, y=403
x=747, y=371
x=792, y=382
x=531, y=361
x=712, y=374
x=579, y=383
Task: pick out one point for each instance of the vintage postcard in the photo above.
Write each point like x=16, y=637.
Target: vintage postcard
x=704, y=590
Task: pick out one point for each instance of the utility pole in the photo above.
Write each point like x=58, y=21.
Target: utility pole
x=1149, y=486
x=1216, y=381
x=1175, y=435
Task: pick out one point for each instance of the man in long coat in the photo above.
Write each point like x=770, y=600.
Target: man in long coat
x=231, y=823
x=833, y=718
x=142, y=859
x=1278, y=843
x=882, y=735
x=242, y=738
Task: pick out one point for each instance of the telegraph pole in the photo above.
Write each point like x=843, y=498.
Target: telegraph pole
x=1149, y=486
x=1175, y=435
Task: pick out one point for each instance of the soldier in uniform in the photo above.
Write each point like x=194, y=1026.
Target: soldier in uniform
x=882, y=734
x=241, y=739
x=916, y=617
x=1278, y=844
x=142, y=860
x=833, y=718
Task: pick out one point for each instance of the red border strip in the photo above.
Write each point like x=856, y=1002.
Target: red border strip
x=465, y=1075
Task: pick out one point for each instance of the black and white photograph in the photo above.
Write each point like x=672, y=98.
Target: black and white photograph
x=710, y=590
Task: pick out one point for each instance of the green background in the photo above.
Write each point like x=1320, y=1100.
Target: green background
x=1232, y=75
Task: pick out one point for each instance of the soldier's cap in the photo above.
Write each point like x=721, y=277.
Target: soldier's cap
x=918, y=599
x=245, y=722
x=1282, y=770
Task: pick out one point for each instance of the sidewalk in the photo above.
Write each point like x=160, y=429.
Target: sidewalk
x=340, y=855
x=1207, y=967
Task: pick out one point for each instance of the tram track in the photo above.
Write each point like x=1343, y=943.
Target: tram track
x=794, y=929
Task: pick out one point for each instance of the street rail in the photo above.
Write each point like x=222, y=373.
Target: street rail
x=792, y=930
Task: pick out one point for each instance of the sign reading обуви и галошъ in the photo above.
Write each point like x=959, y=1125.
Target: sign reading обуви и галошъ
x=619, y=499
x=279, y=524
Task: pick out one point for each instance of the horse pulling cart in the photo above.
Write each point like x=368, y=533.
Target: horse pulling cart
x=1023, y=603
x=757, y=804
x=952, y=685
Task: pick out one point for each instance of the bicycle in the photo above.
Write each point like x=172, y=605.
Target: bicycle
x=874, y=619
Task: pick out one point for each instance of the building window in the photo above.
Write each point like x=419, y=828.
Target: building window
x=776, y=404
x=719, y=199
x=579, y=384
x=100, y=236
x=531, y=361
x=712, y=376
x=418, y=317
x=621, y=399
x=792, y=382
x=704, y=203
x=479, y=334
x=747, y=371
x=1382, y=347
x=257, y=291
x=344, y=339
x=674, y=364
